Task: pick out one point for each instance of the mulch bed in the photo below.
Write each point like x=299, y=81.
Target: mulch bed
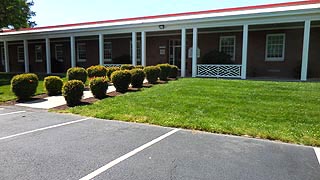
x=91, y=100
x=147, y=85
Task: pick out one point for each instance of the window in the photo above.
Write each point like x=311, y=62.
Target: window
x=138, y=51
x=2, y=56
x=59, y=52
x=20, y=51
x=107, y=52
x=275, y=47
x=82, y=52
x=38, y=53
x=228, y=46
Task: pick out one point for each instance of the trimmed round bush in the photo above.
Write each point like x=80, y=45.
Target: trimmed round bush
x=98, y=87
x=24, y=85
x=139, y=67
x=174, y=71
x=121, y=80
x=77, y=73
x=53, y=85
x=126, y=67
x=73, y=92
x=110, y=70
x=96, y=71
x=137, y=78
x=165, y=71
x=152, y=73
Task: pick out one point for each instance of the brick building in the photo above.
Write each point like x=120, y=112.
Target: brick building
x=274, y=40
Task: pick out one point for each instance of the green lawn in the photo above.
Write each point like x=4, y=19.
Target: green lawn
x=5, y=92
x=286, y=111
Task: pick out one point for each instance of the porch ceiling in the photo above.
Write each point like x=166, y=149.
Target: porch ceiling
x=279, y=25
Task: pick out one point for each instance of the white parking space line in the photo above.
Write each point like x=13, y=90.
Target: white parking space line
x=44, y=128
x=126, y=156
x=317, y=151
x=16, y=112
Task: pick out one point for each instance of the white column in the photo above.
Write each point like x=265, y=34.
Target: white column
x=26, y=56
x=305, y=51
x=101, y=49
x=244, y=51
x=6, y=56
x=73, y=51
x=143, y=48
x=48, y=56
x=134, y=48
x=183, y=52
x=194, y=52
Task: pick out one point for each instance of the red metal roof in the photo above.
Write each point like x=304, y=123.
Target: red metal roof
x=296, y=3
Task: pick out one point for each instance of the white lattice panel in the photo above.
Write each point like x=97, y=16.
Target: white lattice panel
x=112, y=65
x=219, y=70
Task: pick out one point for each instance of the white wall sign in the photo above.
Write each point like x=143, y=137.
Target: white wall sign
x=162, y=50
x=190, y=53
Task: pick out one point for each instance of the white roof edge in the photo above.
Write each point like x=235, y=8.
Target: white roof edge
x=170, y=19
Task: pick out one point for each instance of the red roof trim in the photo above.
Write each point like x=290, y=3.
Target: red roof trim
x=305, y=2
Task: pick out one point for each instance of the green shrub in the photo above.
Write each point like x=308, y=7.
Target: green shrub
x=152, y=73
x=139, y=67
x=53, y=85
x=73, y=92
x=137, y=78
x=121, y=80
x=98, y=87
x=126, y=67
x=174, y=71
x=24, y=85
x=110, y=70
x=77, y=73
x=165, y=71
x=96, y=71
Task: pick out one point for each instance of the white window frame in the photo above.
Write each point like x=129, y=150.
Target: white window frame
x=20, y=50
x=283, y=45
x=78, y=52
x=2, y=56
x=106, y=60
x=234, y=45
x=36, y=49
x=56, y=52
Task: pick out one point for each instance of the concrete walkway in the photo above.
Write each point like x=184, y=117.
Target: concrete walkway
x=55, y=101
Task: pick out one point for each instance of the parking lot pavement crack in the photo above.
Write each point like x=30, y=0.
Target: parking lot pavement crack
x=173, y=170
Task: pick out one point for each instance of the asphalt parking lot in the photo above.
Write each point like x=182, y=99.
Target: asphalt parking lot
x=36, y=144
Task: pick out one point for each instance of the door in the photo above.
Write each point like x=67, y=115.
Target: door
x=175, y=52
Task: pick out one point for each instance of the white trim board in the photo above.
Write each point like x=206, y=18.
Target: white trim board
x=250, y=17
x=266, y=11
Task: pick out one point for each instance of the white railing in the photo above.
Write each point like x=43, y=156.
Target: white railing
x=219, y=70
x=112, y=65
